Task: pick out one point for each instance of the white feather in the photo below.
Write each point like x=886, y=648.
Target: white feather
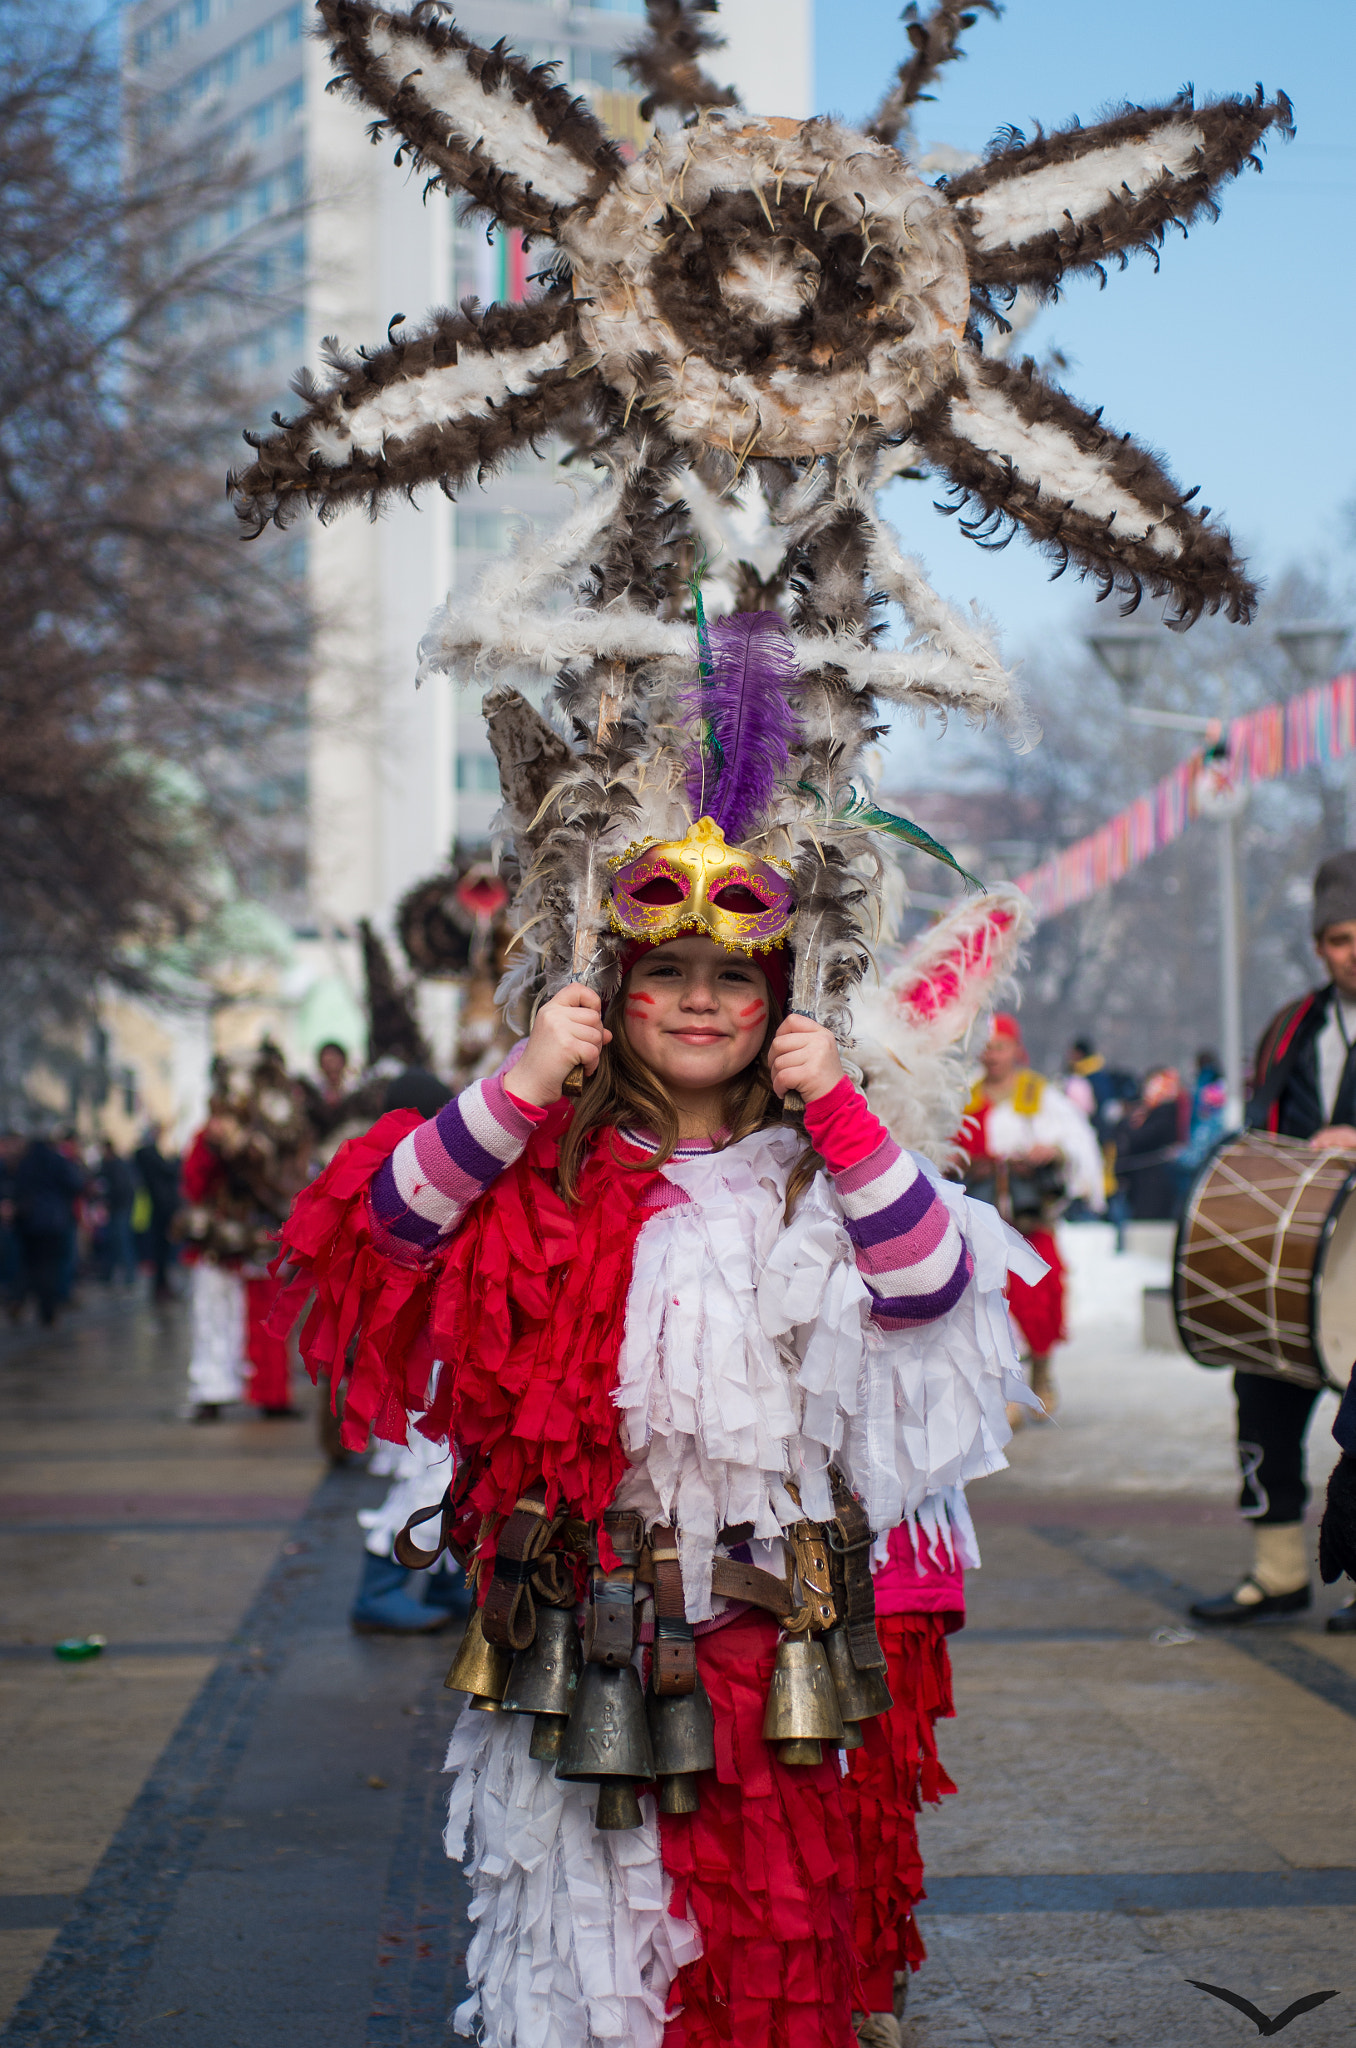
x=910, y=1031
x=1015, y=210
x=476, y=381
x=1049, y=457
x=505, y=129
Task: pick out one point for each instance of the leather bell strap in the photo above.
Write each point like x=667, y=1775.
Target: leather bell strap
x=508, y=1616
x=673, y=1669
x=811, y=1553
x=850, y=1537
x=610, y=1620
x=407, y=1552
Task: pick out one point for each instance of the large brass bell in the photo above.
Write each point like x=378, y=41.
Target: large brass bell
x=861, y=1694
x=480, y=1668
x=544, y=1679
x=802, y=1705
x=607, y=1738
x=683, y=1731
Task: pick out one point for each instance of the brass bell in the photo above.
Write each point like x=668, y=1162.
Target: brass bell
x=545, y=1676
x=618, y=1806
x=607, y=1738
x=861, y=1694
x=548, y=1733
x=683, y=1731
x=802, y=1706
x=480, y=1668
x=544, y=1679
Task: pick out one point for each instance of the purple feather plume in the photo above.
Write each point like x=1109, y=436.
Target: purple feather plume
x=744, y=724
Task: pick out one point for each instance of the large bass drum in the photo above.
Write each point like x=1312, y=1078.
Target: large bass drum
x=1264, y=1274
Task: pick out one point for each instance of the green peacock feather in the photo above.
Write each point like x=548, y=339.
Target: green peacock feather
x=874, y=819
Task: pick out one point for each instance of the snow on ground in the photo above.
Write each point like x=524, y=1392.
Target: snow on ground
x=1132, y=1420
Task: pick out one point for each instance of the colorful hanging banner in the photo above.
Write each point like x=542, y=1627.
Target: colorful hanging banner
x=1317, y=726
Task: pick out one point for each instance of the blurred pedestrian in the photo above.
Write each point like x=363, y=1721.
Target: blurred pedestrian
x=1209, y=1122
x=46, y=1187
x=1102, y=1093
x=11, y=1150
x=1030, y=1150
x=1304, y=1086
x=332, y=1060
x=1149, y=1143
x=158, y=1172
x=114, y=1188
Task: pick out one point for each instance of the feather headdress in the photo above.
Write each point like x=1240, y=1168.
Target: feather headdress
x=782, y=313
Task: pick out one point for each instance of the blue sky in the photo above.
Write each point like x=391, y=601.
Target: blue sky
x=1235, y=361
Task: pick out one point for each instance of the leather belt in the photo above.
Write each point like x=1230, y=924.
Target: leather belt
x=733, y=1580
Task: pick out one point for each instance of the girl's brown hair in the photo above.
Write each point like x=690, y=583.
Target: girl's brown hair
x=623, y=1094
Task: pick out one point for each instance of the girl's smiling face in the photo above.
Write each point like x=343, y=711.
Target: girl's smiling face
x=695, y=1013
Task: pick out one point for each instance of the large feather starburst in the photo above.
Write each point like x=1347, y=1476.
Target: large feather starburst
x=783, y=301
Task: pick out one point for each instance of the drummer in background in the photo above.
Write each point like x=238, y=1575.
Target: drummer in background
x=1031, y=1150
x=1304, y=1086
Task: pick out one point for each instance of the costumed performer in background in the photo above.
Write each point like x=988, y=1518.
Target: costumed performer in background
x=1304, y=1086
x=238, y=1177
x=1029, y=1150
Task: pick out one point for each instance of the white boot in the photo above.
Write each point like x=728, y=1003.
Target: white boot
x=1280, y=1562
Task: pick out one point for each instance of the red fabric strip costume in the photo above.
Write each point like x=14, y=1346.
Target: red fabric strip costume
x=768, y=1868
x=890, y=1776
x=525, y=1306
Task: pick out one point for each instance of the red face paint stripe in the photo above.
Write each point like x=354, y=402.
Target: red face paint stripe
x=755, y=1010
x=640, y=999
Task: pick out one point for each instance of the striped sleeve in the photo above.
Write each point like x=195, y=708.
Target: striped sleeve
x=909, y=1251
x=431, y=1179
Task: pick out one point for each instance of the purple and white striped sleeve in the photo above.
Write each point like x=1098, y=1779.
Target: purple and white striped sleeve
x=421, y=1193
x=909, y=1251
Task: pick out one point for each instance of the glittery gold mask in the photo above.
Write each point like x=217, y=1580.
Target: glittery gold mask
x=701, y=884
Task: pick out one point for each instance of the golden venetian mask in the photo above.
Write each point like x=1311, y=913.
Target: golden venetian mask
x=701, y=884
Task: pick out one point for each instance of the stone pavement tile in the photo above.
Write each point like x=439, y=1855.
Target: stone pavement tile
x=1084, y=1979
x=293, y=1925
x=79, y=1740
x=1058, y=1774
x=21, y=1951
x=135, y=1586
x=1027, y=1583
x=1251, y=1740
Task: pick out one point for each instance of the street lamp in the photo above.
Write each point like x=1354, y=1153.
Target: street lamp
x=1128, y=656
x=1313, y=648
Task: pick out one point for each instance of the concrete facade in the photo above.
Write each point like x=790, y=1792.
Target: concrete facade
x=394, y=774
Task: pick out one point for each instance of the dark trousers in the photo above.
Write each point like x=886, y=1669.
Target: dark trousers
x=1272, y=1418
x=44, y=1255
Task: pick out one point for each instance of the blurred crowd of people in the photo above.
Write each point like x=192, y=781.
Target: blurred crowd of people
x=1155, y=1133
x=71, y=1212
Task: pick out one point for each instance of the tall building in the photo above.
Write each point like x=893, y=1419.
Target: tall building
x=395, y=774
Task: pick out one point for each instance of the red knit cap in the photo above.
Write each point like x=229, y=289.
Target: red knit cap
x=775, y=963
x=1005, y=1025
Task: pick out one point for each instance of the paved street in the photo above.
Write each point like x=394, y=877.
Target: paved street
x=225, y=1829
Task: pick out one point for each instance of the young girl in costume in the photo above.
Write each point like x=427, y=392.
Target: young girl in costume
x=674, y=1326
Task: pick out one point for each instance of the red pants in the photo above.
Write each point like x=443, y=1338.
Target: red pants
x=1039, y=1311
x=266, y=1351
x=893, y=1772
x=768, y=1870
